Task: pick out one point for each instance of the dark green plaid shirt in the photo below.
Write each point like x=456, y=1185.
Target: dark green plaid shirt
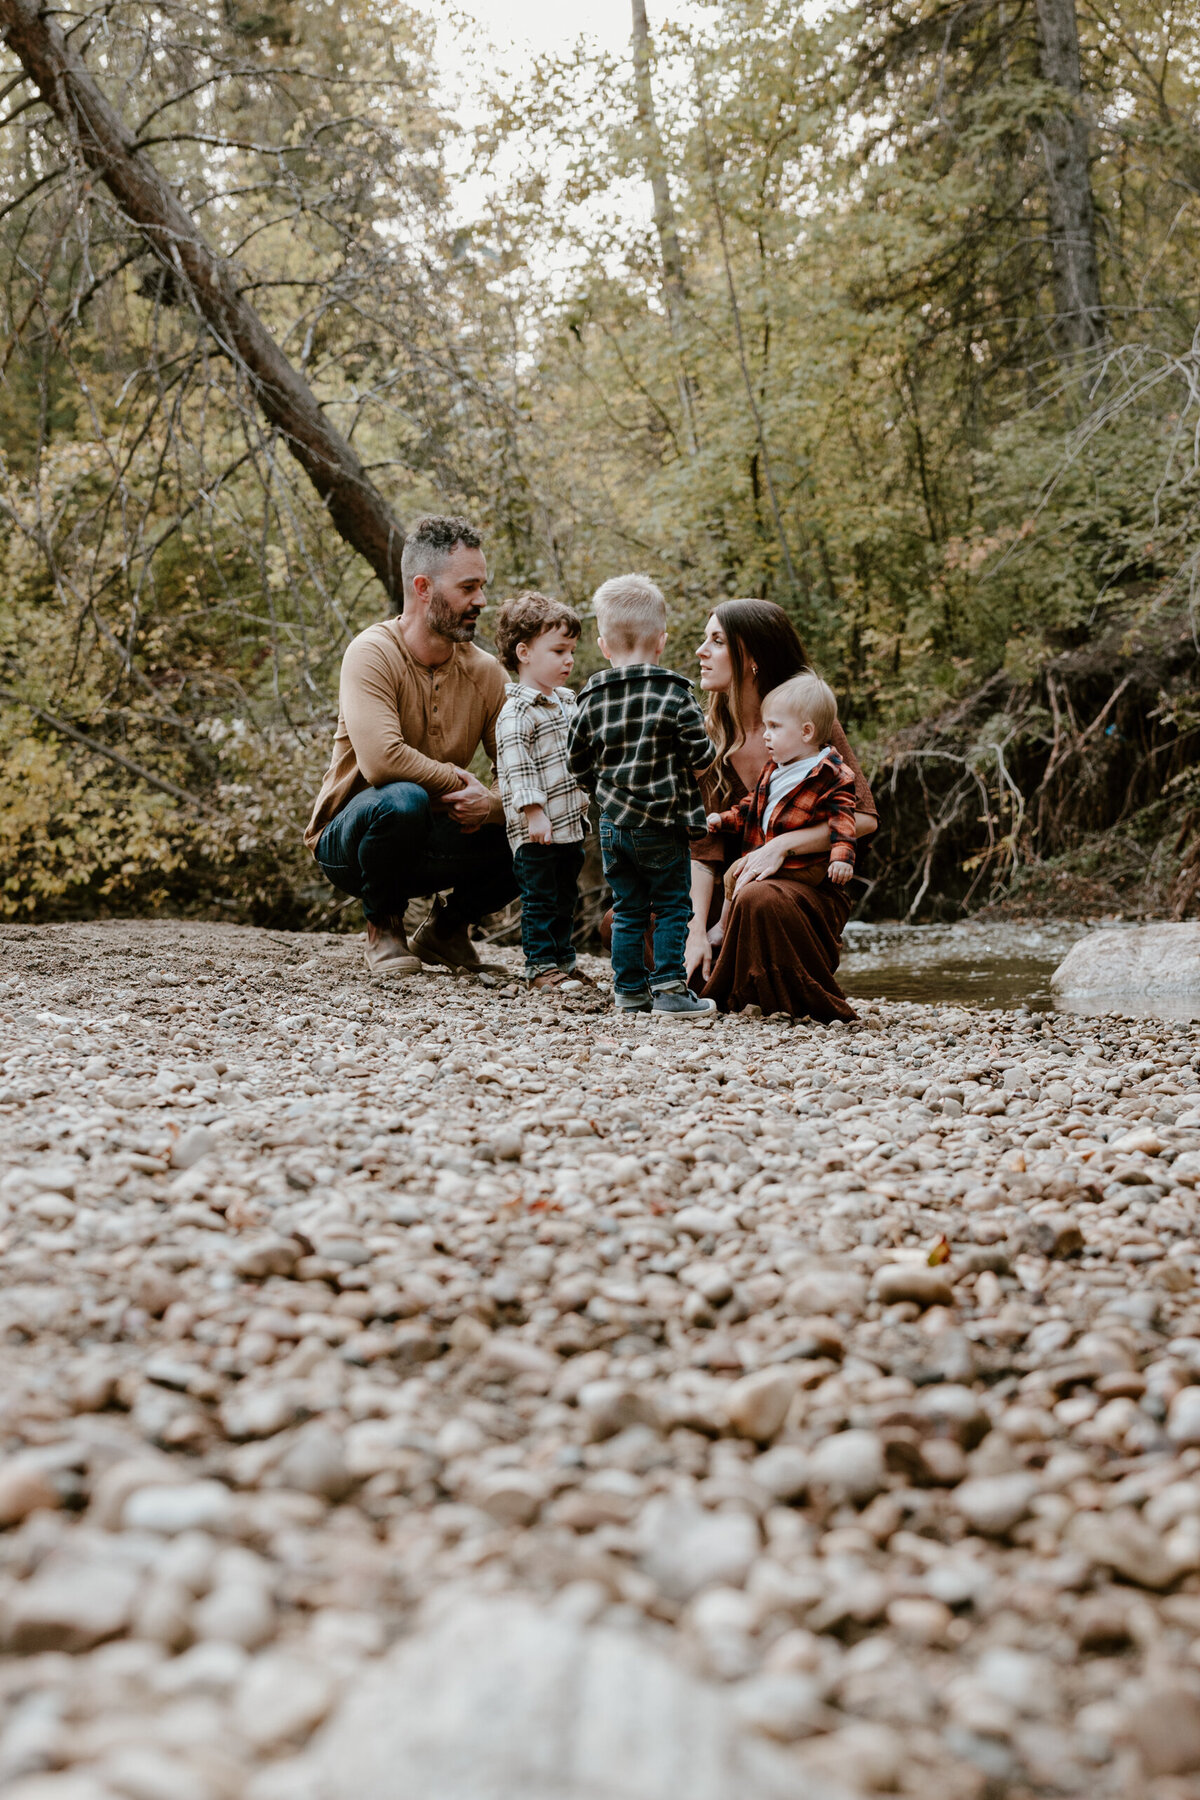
x=636, y=741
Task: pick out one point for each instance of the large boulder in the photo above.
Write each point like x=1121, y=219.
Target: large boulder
x=1133, y=960
x=499, y=1699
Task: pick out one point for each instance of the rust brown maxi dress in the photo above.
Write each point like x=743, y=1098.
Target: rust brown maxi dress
x=783, y=940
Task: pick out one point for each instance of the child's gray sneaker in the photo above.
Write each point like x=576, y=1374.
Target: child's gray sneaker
x=682, y=1004
x=638, y=1003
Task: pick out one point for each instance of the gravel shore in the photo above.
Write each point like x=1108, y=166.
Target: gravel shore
x=432, y=1391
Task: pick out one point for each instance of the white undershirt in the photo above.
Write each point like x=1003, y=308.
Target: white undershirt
x=784, y=781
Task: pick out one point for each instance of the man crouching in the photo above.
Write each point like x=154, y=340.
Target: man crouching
x=399, y=814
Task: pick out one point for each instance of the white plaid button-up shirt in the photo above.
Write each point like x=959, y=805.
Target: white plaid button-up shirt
x=531, y=762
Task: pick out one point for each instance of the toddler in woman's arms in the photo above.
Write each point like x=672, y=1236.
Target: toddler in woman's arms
x=805, y=783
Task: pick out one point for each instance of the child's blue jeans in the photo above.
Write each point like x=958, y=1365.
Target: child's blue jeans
x=649, y=871
x=549, y=878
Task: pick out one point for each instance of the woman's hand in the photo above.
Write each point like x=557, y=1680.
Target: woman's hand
x=760, y=864
x=697, y=951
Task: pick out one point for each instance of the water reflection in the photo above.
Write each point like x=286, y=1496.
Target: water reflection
x=982, y=963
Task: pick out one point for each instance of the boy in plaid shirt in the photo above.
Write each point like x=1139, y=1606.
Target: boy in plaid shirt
x=545, y=814
x=804, y=783
x=637, y=743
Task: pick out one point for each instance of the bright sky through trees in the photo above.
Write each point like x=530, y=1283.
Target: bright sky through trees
x=539, y=25
x=477, y=40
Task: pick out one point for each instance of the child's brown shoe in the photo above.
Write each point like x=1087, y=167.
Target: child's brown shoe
x=549, y=978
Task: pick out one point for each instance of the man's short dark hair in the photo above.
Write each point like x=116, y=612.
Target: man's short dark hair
x=431, y=543
x=525, y=617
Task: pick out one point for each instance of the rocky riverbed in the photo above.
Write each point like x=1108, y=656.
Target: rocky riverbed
x=435, y=1392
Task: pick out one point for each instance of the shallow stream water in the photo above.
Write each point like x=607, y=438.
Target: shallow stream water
x=981, y=962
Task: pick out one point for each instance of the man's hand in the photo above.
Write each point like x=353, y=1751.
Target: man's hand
x=470, y=804
x=538, y=824
x=712, y=822
x=840, y=873
x=761, y=864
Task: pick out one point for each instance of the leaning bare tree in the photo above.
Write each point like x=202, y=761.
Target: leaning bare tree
x=237, y=344
x=207, y=281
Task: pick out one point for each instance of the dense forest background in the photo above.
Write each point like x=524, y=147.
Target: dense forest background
x=886, y=312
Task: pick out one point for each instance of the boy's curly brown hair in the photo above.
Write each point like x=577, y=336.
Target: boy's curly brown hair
x=525, y=617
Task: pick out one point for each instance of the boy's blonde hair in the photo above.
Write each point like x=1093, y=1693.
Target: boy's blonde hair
x=806, y=697
x=630, y=612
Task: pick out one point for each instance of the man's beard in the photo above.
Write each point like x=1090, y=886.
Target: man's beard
x=448, y=624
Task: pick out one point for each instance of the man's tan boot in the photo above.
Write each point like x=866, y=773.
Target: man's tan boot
x=437, y=941
x=388, y=953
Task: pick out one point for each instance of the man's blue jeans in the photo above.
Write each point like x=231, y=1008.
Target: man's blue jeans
x=387, y=844
x=649, y=871
x=549, y=878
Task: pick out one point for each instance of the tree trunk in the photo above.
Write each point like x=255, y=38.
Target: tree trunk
x=674, y=288
x=1072, y=213
x=359, y=512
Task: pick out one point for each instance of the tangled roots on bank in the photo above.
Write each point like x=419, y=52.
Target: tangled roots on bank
x=1078, y=790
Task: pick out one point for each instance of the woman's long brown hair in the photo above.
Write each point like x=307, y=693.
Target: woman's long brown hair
x=760, y=636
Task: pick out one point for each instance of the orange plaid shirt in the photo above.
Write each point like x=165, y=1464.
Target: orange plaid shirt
x=824, y=797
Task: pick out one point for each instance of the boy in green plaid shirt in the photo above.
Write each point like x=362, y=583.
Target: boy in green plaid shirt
x=637, y=743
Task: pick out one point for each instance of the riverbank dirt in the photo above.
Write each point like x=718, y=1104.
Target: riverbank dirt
x=380, y=1364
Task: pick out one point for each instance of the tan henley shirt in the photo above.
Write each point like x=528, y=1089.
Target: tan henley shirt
x=401, y=721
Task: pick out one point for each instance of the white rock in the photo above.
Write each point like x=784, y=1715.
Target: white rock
x=850, y=1465
x=77, y=1598
x=214, y=1667
x=143, y=1772
x=260, y=1412
x=315, y=1463
x=1142, y=960
x=65, y=1786
x=757, y=1405
x=197, y=1142
x=243, y=1615
x=780, y=1705
x=919, y=1619
x=512, y=1496
x=868, y=1757
x=701, y=1221
x=1122, y=1540
x=1144, y=1139
x=191, y=1506
x=685, y=1548
x=1027, y=1683
x=828, y=1291
x=1183, y=1418
x=509, y=1357
x=54, y=1178
x=993, y=1504
x=499, y=1700
x=1163, y=1723
x=782, y=1471
x=282, y=1699
x=25, y=1486
x=1186, y=1168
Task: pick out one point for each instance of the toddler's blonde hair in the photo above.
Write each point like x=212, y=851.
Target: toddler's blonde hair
x=806, y=697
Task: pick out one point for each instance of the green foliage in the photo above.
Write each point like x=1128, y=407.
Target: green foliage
x=887, y=437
